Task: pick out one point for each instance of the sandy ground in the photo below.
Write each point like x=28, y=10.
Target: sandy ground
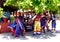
x=47, y=37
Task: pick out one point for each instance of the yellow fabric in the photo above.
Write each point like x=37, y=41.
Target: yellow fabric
x=37, y=27
x=11, y=18
x=50, y=23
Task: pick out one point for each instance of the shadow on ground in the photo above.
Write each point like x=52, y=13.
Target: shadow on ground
x=46, y=35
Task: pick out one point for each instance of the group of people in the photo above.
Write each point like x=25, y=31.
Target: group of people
x=41, y=21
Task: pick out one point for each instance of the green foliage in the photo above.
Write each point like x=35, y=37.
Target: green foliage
x=36, y=5
x=1, y=10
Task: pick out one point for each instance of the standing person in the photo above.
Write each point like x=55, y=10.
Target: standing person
x=37, y=29
x=47, y=15
x=11, y=17
x=47, y=21
x=53, y=19
x=43, y=23
x=53, y=24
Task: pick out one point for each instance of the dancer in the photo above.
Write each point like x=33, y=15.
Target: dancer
x=37, y=29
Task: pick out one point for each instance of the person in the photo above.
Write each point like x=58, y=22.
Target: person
x=53, y=19
x=53, y=24
x=18, y=24
x=43, y=23
x=47, y=21
x=11, y=17
x=37, y=29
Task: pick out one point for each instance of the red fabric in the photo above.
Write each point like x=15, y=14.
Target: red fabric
x=5, y=20
x=4, y=27
x=15, y=13
x=38, y=17
x=18, y=13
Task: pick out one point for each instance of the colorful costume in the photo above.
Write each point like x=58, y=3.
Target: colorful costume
x=47, y=18
x=18, y=24
x=43, y=23
x=37, y=28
